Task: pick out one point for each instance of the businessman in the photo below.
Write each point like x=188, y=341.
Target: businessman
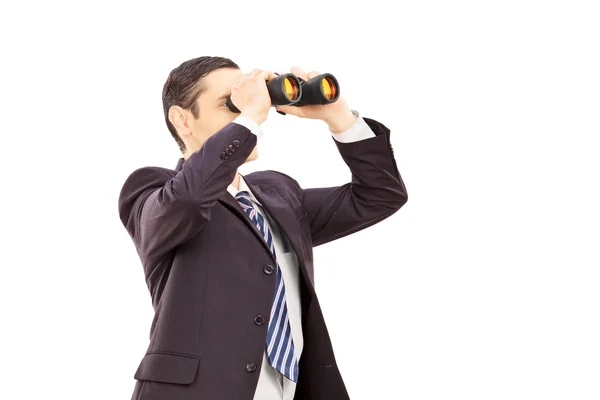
x=228, y=258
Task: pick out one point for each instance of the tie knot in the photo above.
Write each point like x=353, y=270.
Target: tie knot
x=242, y=193
x=243, y=197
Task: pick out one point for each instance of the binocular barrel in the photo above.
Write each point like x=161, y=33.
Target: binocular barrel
x=288, y=89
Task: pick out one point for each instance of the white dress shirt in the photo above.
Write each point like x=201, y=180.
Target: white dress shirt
x=272, y=385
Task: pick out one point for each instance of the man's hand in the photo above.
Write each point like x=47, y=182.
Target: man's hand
x=337, y=115
x=251, y=96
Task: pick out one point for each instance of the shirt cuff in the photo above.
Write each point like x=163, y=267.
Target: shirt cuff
x=250, y=124
x=360, y=130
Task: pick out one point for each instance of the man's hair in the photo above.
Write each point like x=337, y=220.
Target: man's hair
x=184, y=85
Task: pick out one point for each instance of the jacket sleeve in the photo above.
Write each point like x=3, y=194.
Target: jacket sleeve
x=161, y=211
x=375, y=191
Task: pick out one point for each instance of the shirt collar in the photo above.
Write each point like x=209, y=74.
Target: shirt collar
x=243, y=186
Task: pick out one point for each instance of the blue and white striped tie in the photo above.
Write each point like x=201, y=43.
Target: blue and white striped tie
x=280, y=346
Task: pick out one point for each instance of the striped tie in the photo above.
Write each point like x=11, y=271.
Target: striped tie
x=280, y=346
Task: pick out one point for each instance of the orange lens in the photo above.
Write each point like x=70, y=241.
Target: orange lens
x=329, y=88
x=290, y=88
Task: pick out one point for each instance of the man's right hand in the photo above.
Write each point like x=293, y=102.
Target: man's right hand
x=251, y=96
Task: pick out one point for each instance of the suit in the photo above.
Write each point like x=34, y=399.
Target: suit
x=210, y=273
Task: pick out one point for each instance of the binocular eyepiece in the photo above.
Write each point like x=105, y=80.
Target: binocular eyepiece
x=288, y=89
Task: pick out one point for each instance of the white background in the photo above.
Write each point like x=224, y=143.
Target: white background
x=485, y=285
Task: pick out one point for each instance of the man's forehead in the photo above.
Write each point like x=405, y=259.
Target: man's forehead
x=221, y=80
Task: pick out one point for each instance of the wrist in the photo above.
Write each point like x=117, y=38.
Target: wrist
x=339, y=123
x=254, y=116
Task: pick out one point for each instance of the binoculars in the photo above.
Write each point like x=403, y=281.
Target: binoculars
x=288, y=89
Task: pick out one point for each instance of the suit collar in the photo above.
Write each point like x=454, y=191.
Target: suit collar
x=243, y=185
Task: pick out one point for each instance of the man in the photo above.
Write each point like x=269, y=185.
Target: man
x=228, y=258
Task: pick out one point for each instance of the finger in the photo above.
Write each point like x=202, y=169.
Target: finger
x=299, y=72
x=312, y=74
x=240, y=81
x=281, y=73
x=268, y=75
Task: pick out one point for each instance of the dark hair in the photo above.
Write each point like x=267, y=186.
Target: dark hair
x=184, y=85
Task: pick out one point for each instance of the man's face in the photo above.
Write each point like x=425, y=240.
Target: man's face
x=214, y=113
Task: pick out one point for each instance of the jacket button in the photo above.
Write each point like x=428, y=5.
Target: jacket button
x=268, y=269
x=230, y=147
x=228, y=151
x=259, y=320
x=236, y=143
x=251, y=367
x=223, y=155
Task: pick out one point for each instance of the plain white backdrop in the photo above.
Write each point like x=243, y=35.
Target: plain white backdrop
x=485, y=285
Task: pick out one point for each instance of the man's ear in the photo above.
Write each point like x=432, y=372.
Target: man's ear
x=179, y=118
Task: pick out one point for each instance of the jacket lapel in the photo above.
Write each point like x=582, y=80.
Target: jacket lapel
x=232, y=204
x=277, y=209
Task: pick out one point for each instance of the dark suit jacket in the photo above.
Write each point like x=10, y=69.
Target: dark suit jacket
x=210, y=273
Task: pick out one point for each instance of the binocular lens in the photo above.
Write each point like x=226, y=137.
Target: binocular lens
x=329, y=87
x=291, y=88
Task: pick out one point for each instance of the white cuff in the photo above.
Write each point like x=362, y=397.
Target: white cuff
x=250, y=124
x=359, y=130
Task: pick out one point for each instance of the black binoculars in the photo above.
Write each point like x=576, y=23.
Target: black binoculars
x=288, y=89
